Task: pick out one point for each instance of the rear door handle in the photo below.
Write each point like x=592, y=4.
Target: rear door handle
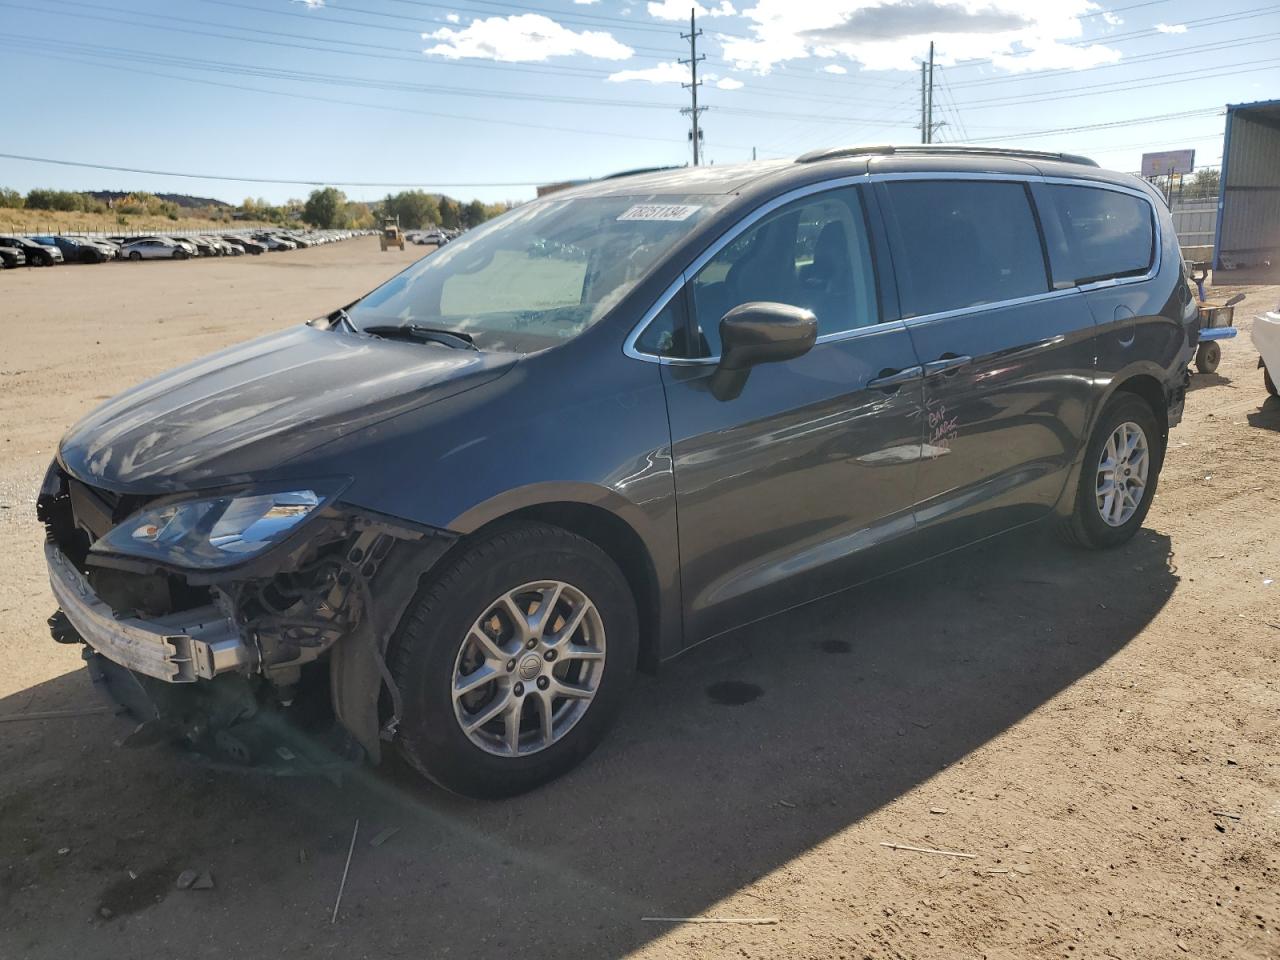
x=946, y=365
x=889, y=380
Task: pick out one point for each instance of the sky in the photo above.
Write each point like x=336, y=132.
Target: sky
x=478, y=98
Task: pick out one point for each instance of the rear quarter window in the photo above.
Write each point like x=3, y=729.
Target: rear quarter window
x=1107, y=234
x=963, y=243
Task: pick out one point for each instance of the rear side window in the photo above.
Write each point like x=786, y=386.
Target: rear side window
x=961, y=243
x=1107, y=233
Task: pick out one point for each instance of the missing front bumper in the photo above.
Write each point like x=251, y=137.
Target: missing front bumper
x=180, y=648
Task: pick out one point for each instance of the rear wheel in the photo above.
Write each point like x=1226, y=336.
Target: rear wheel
x=1118, y=478
x=135, y=256
x=514, y=661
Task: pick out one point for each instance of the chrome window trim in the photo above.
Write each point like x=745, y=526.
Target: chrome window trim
x=629, y=345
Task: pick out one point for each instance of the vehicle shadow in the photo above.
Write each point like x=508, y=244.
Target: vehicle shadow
x=1201, y=381
x=1267, y=417
x=837, y=709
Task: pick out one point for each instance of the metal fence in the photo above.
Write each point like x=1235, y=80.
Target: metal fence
x=1195, y=221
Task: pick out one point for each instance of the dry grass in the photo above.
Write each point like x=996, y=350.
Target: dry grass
x=57, y=221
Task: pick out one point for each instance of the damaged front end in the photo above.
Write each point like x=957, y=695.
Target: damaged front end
x=243, y=623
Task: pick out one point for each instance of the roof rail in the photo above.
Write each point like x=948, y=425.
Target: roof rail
x=943, y=150
x=640, y=170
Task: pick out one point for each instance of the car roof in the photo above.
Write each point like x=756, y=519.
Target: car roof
x=819, y=165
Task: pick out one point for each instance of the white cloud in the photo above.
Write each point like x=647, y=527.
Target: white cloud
x=679, y=9
x=524, y=37
x=453, y=18
x=311, y=4
x=661, y=73
x=729, y=83
x=1112, y=19
x=585, y=3
x=834, y=68
x=894, y=34
x=1171, y=28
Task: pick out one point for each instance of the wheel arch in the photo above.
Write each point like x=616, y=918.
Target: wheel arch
x=1150, y=389
x=1141, y=383
x=595, y=516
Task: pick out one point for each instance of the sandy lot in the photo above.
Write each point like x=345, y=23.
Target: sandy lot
x=1072, y=721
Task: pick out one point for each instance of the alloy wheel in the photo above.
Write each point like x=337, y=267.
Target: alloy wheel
x=1122, y=474
x=529, y=668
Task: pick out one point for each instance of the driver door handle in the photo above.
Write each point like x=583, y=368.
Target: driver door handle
x=889, y=380
x=946, y=365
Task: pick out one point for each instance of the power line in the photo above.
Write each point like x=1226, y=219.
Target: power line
x=1129, y=122
x=1228, y=43
x=142, y=56
x=237, y=179
x=1102, y=89
x=1248, y=14
x=356, y=103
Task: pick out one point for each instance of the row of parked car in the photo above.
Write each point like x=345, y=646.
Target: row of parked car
x=46, y=251
x=437, y=235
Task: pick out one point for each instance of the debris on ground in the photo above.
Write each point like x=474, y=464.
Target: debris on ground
x=185, y=879
x=343, y=885
x=383, y=836
x=203, y=882
x=939, y=853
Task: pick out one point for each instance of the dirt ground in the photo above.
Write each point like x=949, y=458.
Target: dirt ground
x=1098, y=733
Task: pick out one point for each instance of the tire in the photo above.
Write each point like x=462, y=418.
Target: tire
x=135, y=256
x=179, y=254
x=1208, y=356
x=433, y=646
x=1086, y=527
x=1269, y=383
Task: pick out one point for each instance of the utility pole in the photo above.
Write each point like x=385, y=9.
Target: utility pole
x=924, y=103
x=929, y=110
x=694, y=111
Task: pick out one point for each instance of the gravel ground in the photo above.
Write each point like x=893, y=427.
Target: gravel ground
x=1071, y=721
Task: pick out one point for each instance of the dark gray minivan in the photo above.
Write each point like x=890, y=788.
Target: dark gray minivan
x=458, y=514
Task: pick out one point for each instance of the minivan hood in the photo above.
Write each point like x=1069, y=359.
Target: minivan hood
x=240, y=414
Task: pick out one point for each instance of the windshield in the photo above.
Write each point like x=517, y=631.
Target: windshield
x=538, y=275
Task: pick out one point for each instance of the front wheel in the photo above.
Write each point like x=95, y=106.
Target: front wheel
x=1269, y=383
x=135, y=256
x=1118, y=477
x=514, y=661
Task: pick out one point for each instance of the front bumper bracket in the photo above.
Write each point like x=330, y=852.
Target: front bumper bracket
x=178, y=648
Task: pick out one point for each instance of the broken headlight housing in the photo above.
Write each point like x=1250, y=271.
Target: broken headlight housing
x=213, y=532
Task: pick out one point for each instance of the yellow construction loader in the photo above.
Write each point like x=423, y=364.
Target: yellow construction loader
x=391, y=235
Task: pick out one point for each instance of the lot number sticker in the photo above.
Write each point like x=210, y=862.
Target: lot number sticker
x=660, y=211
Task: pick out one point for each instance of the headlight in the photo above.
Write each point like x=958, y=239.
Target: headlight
x=215, y=532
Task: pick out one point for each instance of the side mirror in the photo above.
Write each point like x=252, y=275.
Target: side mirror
x=756, y=333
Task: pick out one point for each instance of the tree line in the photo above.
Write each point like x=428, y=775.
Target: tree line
x=329, y=209
x=326, y=209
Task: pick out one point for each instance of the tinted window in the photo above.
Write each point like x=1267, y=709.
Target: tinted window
x=812, y=253
x=1108, y=234
x=959, y=243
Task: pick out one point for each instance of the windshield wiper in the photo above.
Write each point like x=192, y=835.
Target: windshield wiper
x=414, y=331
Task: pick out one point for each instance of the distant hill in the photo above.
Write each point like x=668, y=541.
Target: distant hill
x=181, y=199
